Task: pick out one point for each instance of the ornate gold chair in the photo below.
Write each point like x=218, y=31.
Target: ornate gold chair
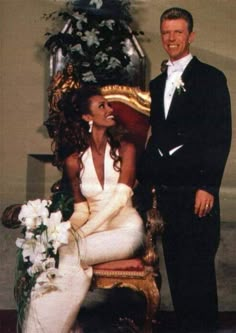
x=132, y=106
x=141, y=274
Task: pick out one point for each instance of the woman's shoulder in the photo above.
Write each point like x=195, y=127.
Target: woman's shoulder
x=72, y=161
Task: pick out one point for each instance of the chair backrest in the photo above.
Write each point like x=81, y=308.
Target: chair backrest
x=132, y=106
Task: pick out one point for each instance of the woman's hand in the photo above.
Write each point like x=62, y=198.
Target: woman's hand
x=80, y=215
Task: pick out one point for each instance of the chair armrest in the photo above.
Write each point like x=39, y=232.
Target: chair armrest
x=10, y=216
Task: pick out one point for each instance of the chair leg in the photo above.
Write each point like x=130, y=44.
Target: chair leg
x=153, y=300
x=146, y=286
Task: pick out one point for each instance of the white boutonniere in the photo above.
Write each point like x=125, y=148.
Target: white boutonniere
x=179, y=85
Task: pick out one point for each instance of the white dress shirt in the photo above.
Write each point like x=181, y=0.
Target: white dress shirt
x=174, y=73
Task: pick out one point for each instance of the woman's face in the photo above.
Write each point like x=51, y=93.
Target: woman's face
x=101, y=112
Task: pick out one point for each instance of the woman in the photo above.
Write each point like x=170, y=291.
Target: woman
x=100, y=168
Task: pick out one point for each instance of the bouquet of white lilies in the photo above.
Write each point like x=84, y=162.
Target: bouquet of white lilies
x=44, y=232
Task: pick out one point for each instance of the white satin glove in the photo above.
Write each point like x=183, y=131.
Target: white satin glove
x=119, y=199
x=80, y=214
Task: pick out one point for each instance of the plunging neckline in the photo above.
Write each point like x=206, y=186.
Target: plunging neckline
x=104, y=167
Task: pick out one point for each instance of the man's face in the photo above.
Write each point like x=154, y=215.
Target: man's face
x=176, y=38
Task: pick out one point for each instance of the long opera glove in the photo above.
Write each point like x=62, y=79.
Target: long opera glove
x=120, y=197
x=80, y=214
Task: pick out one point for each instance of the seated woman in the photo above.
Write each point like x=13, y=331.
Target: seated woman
x=100, y=167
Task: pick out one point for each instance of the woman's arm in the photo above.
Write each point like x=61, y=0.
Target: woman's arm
x=72, y=169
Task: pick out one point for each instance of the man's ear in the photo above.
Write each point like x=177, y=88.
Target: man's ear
x=87, y=117
x=191, y=37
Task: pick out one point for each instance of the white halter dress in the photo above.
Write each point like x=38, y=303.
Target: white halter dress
x=118, y=238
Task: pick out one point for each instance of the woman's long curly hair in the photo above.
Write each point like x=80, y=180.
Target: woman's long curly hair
x=72, y=135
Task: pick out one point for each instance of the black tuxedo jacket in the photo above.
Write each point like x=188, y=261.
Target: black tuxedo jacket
x=200, y=120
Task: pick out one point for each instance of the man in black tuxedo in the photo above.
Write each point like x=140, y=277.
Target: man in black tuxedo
x=185, y=159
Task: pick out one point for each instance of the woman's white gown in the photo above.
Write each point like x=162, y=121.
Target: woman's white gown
x=117, y=238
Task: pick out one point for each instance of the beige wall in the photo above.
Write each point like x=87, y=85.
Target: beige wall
x=23, y=82
x=24, y=79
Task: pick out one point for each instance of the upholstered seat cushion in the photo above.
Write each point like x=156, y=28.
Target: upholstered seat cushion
x=134, y=264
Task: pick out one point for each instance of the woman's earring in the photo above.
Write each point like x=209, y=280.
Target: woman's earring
x=90, y=126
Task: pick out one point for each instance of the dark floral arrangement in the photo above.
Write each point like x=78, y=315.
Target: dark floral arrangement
x=95, y=46
x=94, y=41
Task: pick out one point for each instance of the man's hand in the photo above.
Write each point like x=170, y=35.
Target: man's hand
x=203, y=203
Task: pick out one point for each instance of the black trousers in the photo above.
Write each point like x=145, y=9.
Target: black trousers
x=190, y=244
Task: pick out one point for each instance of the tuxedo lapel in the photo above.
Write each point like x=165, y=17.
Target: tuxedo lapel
x=188, y=72
x=158, y=95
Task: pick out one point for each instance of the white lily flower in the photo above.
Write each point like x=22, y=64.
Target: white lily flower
x=34, y=250
x=31, y=223
x=97, y=3
x=57, y=231
x=78, y=48
x=63, y=236
x=42, y=265
x=37, y=267
x=81, y=18
x=113, y=63
x=107, y=23
x=20, y=242
x=89, y=77
x=100, y=57
x=33, y=213
x=29, y=235
x=54, y=220
x=91, y=37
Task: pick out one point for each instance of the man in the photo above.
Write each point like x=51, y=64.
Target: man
x=185, y=158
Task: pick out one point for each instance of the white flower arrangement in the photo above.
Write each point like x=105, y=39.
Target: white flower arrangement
x=179, y=85
x=95, y=27
x=97, y=3
x=44, y=232
x=90, y=37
